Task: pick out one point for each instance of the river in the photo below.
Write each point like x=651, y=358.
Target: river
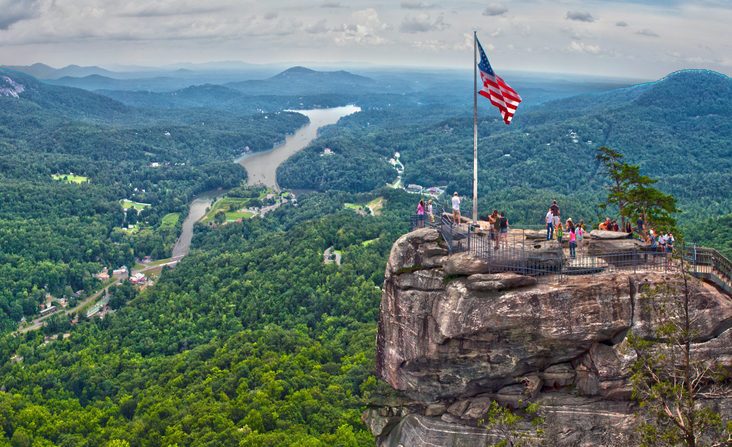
x=262, y=167
x=195, y=213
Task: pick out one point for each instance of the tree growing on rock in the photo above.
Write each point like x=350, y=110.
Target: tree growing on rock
x=671, y=382
x=514, y=429
x=633, y=193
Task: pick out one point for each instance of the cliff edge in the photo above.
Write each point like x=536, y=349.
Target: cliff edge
x=453, y=338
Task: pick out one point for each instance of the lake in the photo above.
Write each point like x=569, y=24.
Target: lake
x=261, y=167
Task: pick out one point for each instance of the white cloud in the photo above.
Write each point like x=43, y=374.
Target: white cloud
x=416, y=5
x=13, y=11
x=581, y=47
x=422, y=23
x=495, y=10
x=318, y=27
x=166, y=8
x=580, y=16
x=647, y=32
x=621, y=24
x=365, y=28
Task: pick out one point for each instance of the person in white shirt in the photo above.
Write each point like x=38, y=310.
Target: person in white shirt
x=549, y=225
x=456, y=208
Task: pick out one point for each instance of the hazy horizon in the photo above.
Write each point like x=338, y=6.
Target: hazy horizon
x=633, y=39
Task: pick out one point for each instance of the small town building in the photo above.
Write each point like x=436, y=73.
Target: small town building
x=414, y=188
x=48, y=310
x=138, y=278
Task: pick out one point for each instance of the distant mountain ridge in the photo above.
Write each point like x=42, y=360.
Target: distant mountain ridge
x=43, y=71
x=100, y=82
x=301, y=80
x=33, y=97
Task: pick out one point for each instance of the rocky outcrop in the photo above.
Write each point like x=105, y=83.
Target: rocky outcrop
x=608, y=235
x=454, y=337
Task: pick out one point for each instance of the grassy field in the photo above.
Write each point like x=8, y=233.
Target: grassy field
x=356, y=207
x=70, y=178
x=170, y=220
x=134, y=230
x=139, y=206
x=369, y=242
x=376, y=205
x=372, y=208
x=231, y=206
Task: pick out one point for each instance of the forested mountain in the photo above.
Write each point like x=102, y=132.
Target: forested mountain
x=99, y=82
x=304, y=81
x=255, y=339
x=252, y=340
x=43, y=71
x=55, y=233
x=678, y=129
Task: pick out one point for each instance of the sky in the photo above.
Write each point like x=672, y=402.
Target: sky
x=623, y=38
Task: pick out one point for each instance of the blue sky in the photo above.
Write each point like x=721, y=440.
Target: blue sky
x=628, y=38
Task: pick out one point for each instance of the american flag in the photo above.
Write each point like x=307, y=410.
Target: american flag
x=496, y=90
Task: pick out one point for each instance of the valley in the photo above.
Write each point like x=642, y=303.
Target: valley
x=263, y=333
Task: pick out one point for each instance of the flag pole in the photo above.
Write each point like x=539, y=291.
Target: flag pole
x=475, y=126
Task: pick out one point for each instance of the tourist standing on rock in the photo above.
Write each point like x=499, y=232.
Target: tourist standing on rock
x=580, y=232
x=652, y=241
x=503, y=228
x=554, y=208
x=639, y=225
x=628, y=227
x=456, y=208
x=494, y=228
x=420, y=214
x=430, y=211
x=572, y=230
x=549, y=225
x=662, y=243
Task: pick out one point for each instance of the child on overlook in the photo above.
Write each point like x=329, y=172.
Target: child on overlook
x=572, y=238
x=560, y=232
x=580, y=231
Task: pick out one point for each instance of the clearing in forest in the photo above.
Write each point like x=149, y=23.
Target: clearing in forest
x=70, y=178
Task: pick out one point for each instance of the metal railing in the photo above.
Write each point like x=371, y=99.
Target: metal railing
x=710, y=264
x=526, y=251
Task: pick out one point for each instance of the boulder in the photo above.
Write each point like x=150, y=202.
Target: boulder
x=423, y=248
x=608, y=235
x=435, y=409
x=379, y=421
x=531, y=234
x=498, y=281
x=465, y=264
x=477, y=407
x=453, y=330
x=613, y=247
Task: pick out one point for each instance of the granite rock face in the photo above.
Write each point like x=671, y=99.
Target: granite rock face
x=452, y=338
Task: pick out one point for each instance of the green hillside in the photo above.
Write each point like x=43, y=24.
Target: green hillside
x=677, y=129
x=252, y=340
x=53, y=235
